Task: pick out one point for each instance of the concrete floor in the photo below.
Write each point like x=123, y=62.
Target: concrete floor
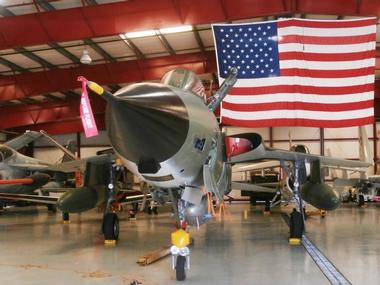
x=36, y=248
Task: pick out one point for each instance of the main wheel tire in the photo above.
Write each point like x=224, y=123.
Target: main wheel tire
x=180, y=268
x=52, y=208
x=65, y=216
x=111, y=226
x=361, y=200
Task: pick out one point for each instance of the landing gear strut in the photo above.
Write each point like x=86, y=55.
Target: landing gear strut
x=297, y=218
x=110, y=225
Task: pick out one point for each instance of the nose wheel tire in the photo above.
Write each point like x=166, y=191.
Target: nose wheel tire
x=180, y=268
x=111, y=226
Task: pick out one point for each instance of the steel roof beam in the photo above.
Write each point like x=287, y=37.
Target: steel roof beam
x=120, y=17
x=58, y=80
x=65, y=52
x=99, y=50
x=37, y=113
x=165, y=43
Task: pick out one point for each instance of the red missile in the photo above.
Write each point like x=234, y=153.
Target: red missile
x=17, y=181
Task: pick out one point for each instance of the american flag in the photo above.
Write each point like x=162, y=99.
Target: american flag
x=298, y=72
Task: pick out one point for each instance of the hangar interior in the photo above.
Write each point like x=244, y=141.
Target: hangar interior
x=42, y=44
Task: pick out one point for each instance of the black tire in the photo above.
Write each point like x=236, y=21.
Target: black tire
x=111, y=226
x=52, y=208
x=361, y=200
x=180, y=268
x=65, y=216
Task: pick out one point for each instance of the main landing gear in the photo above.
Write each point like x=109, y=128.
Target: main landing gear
x=297, y=218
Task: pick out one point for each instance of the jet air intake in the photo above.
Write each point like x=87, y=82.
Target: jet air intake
x=146, y=123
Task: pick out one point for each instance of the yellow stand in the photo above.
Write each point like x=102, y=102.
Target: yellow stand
x=66, y=222
x=294, y=241
x=245, y=214
x=180, y=238
x=109, y=242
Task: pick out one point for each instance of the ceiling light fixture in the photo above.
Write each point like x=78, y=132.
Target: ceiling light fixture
x=147, y=33
x=85, y=58
x=178, y=29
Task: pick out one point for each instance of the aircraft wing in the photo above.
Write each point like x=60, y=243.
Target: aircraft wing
x=29, y=198
x=23, y=140
x=80, y=164
x=255, y=166
x=252, y=187
x=31, y=167
x=263, y=153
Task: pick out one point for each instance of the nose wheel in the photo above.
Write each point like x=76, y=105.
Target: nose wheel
x=180, y=268
x=111, y=227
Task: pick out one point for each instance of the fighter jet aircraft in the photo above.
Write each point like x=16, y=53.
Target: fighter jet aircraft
x=169, y=137
x=22, y=174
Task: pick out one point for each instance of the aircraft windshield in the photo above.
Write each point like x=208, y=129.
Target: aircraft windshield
x=5, y=152
x=186, y=80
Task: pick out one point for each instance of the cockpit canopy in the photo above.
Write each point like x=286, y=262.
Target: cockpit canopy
x=186, y=80
x=5, y=152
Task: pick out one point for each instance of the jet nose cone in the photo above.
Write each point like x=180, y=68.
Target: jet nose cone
x=147, y=122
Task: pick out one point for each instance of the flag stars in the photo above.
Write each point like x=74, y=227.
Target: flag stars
x=249, y=48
